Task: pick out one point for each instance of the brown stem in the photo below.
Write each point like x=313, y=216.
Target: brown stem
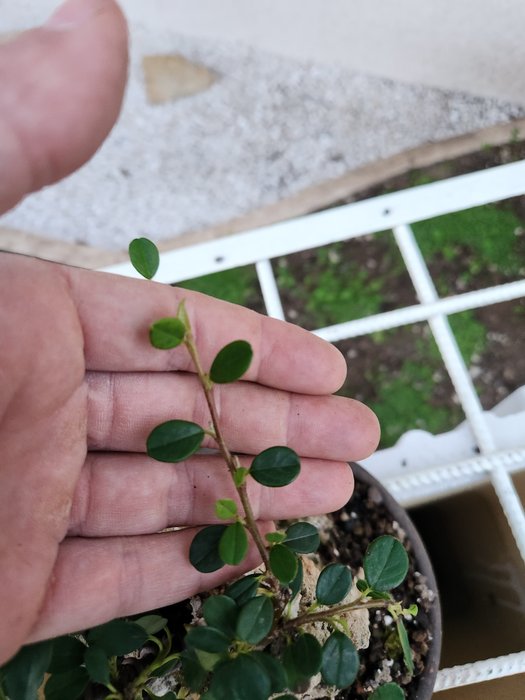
x=336, y=610
x=231, y=460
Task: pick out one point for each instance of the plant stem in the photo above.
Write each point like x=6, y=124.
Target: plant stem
x=359, y=604
x=231, y=461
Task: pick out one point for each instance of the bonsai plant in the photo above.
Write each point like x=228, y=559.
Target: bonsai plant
x=283, y=629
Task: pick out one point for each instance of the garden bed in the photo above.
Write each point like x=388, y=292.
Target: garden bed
x=399, y=373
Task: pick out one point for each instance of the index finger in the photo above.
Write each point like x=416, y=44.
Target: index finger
x=117, y=312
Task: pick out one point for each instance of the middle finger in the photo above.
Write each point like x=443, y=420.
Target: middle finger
x=123, y=408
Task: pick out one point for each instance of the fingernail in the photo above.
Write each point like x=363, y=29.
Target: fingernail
x=73, y=13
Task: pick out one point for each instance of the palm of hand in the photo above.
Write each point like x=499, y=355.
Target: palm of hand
x=42, y=432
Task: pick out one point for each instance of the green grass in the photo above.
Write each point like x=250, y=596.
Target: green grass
x=331, y=287
x=486, y=232
x=238, y=286
x=403, y=399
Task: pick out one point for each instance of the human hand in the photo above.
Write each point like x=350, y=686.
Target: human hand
x=81, y=505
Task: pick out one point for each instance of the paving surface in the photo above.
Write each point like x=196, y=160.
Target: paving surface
x=267, y=127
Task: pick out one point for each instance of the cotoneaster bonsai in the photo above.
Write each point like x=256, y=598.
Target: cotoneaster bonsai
x=286, y=630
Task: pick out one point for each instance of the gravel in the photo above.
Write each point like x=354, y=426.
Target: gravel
x=266, y=129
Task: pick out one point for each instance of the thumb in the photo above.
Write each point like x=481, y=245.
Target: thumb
x=61, y=88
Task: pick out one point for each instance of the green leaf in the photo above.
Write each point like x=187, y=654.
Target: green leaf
x=207, y=660
x=240, y=679
x=362, y=585
x=117, y=637
x=233, y=544
x=164, y=669
x=225, y=509
x=221, y=612
x=231, y=362
x=385, y=563
x=306, y=654
x=97, y=665
x=405, y=645
x=66, y=686
x=204, y=549
x=174, y=440
x=294, y=678
x=167, y=333
x=283, y=563
x=302, y=538
x=275, y=537
x=24, y=673
x=151, y=623
x=255, y=619
x=207, y=639
x=340, y=661
x=379, y=595
x=144, y=257
x=68, y=652
x=295, y=585
x=389, y=691
x=287, y=696
x=239, y=476
x=245, y=588
x=276, y=466
x=273, y=668
x=333, y=584
x=194, y=674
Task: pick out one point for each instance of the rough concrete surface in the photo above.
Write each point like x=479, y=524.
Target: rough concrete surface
x=268, y=127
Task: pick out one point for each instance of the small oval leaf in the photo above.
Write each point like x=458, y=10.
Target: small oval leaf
x=405, y=645
x=24, y=673
x=389, y=691
x=194, y=674
x=174, y=440
x=302, y=538
x=385, y=563
x=273, y=668
x=68, y=652
x=151, y=623
x=340, y=662
x=144, y=257
x=225, y=509
x=117, y=637
x=306, y=653
x=221, y=612
x=245, y=588
x=240, y=679
x=97, y=665
x=67, y=686
x=283, y=563
x=231, y=362
x=255, y=619
x=333, y=584
x=275, y=537
x=233, y=544
x=276, y=466
x=204, y=549
x=167, y=333
x=208, y=639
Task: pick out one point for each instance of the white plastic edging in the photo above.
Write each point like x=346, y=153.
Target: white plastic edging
x=462, y=382
x=338, y=224
x=269, y=289
x=422, y=312
x=480, y=671
x=420, y=486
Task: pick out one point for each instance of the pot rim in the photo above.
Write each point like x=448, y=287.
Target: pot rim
x=428, y=678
